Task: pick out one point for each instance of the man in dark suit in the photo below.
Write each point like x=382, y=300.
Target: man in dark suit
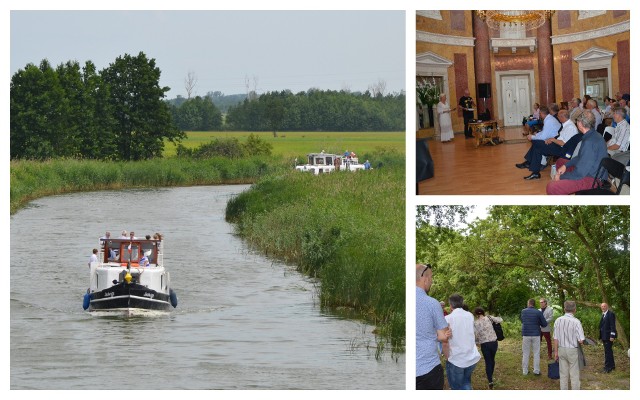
x=466, y=103
x=608, y=334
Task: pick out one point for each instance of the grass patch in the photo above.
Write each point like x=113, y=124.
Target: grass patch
x=297, y=144
x=345, y=228
x=508, y=371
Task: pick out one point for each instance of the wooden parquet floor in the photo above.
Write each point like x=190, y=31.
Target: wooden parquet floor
x=462, y=169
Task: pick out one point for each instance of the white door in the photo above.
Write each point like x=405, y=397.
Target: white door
x=515, y=99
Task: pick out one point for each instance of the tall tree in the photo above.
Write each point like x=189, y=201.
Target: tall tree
x=37, y=106
x=142, y=119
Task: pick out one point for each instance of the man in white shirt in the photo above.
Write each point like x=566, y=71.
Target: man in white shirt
x=560, y=146
x=567, y=335
x=93, y=258
x=460, y=351
x=619, y=141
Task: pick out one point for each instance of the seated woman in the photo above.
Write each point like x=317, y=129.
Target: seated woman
x=534, y=120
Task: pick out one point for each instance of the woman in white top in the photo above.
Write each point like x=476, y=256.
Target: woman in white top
x=487, y=339
x=444, y=114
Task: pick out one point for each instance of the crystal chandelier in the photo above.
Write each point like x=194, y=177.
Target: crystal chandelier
x=515, y=18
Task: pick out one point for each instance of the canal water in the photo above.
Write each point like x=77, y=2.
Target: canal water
x=243, y=321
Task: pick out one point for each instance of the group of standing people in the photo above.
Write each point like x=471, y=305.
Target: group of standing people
x=458, y=333
x=454, y=336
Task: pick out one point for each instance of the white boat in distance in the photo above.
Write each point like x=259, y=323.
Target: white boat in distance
x=129, y=279
x=323, y=163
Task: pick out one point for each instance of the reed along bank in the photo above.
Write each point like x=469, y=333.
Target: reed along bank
x=34, y=179
x=345, y=228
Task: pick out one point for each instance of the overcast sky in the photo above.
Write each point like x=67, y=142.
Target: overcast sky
x=275, y=50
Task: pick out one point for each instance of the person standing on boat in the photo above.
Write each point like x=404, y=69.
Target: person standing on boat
x=93, y=258
x=123, y=235
x=132, y=236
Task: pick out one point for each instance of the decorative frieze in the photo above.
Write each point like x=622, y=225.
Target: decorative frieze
x=437, y=38
x=615, y=29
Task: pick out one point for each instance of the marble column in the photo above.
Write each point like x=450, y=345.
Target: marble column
x=546, y=79
x=482, y=61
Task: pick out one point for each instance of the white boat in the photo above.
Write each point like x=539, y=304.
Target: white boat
x=323, y=163
x=129, y=278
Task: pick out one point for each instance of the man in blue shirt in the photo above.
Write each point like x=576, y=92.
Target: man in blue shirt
x=431, y=327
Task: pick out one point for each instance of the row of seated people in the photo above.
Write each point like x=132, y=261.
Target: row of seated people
x=579, y=149
x=575, y=107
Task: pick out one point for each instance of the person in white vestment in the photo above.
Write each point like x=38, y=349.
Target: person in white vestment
x=444, y=115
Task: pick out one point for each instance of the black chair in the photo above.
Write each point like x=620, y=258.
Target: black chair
x=616, y=170
x=424, y=162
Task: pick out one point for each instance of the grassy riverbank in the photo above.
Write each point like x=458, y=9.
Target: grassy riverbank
x=345, y=228
x=34, y=179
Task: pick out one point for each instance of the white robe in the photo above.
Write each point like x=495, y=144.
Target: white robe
x=446, y=128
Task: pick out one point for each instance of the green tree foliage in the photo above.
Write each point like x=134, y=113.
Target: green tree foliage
x=38, y=109
x=117, y=114
x=142, y=119
x=197, y=114
x=317, y=110
x=562, y=252
x=229, y=148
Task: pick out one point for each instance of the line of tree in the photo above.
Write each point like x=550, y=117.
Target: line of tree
x=579, y=253
x=319, y=110
x=120, y=112
x=222, y=101
x=114, y=114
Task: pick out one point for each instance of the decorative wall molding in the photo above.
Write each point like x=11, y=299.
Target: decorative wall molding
x=615, y=29
x=430, y=59
x=594, y=58
x=433, y=14
x=445, y=39
x=594, y=54
x=513, y=44
x=584, y=14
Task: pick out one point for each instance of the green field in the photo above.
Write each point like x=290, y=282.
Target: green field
x=295, y=144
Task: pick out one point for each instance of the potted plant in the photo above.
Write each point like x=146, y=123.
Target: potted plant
x=428, y=94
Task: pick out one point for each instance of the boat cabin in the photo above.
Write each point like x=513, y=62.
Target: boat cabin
x=121, y=252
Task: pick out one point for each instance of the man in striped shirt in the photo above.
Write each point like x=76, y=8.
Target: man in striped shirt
x=567, y=333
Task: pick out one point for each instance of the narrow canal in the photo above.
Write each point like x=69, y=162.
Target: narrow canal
x=242, y=322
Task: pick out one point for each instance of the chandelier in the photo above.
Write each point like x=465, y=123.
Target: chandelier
x=515, y=18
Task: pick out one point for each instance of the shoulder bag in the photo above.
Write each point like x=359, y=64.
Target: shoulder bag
x=497, y=328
